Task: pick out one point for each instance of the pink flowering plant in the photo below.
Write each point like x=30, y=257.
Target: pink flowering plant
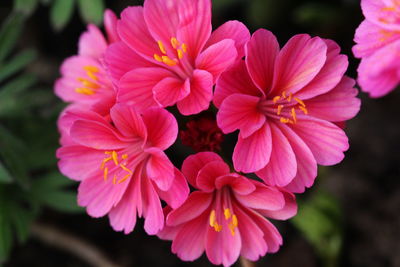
x=160, y=66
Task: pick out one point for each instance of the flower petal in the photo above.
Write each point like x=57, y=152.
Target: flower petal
x=207, y=175
x=152, y=210
x=240, y=112
x=253, y=153
x=239, y=184
x=264, y=197
x=288, y=211
x=271, y=234
x=201, y=86
x=171, y=90
x=177, y=193
x=160, y=169
x=92, y=43
x=128, y=121
x=261, y=53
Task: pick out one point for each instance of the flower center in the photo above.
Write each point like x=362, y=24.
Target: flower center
x=232, y=224
x=284, y=102
x=178, y=52
x=89, y=85
x=112, y=156
x=390, y=14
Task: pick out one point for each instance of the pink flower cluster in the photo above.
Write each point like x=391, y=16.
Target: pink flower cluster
x=378, y=46
x=286, y=103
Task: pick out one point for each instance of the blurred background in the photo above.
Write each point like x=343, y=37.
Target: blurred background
x=349, y=218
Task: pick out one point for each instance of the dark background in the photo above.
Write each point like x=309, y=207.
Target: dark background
x=365, y=186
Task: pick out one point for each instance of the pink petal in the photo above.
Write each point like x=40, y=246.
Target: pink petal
x=326, y=141
x=99, y=196
x=128, y=121
x=190, y=241
x=253, y=153
x=235, y=80
x=133, y=30
x=160, y=169
x=123, y=216
x=136, y=87
x=192, y=208
x=223, y=247
x=282, y=166
x=239, y=184
x=168, y=233
x=217, y=58
x=234, y=30
x=330, y=74
x=120, y=59
x=261, y=53
x=201, y=86
x=78, y=162
x=340, y=104
x=152, y=210
x=380, y=85
x=299, y=61
x=207, y=175
x=380, y=12
x=92, y=43
x=95, y=135
x=271, y=234
x=288, y=211
x=253, y=243
x=110, y=24
x=171, y=90
x=162, y=128
x=194, y=163
x=195, y=24
x=264, y=197
x=306, y=163
x=177, y=193
x=240, y=112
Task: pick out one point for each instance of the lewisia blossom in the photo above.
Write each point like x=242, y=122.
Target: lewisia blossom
x=122, y=166
x=284, y=103
x=84, y=79
x=171, y=54
x=225, y=217
x=378, y=46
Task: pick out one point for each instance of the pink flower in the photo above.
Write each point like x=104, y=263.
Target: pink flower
x=122, y=166
x=284, y=102
x=378, y=46
x=225, y=217
x=84, y=79
x=173, y=57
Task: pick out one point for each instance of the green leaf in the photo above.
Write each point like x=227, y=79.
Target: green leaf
x=52, y=181
x=62, y=201
x=16, y=64
x=9, y=33
x=21, y=219
x=26, y=7
x=60, y=13
x=91, y=10
x=5, y=176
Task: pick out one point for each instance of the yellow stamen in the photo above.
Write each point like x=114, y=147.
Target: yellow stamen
x=217, y=227
x=280, y=107
x=290, y=97
x=124, y=179
x=390, y=9
x=286, y=120
x=213, y=218
x=158, y=58
x=227, y=213
x=92, y=69
x=168, y=61
x=124, y=156
x=233, y=224
x=180, y=54
x=284, y=94
x=184, y=48
x=305, y=111
x=105, y=174
x=174, y=43
x=294, y=115
x=298, y=100
x=84, y=91
x=88, y=83
x=115, y=179
x=276, y=99
x=115, y=158
x=108, y=152
x=234, y=221
x=162, y=47
x=125, y=169
x=104, y=163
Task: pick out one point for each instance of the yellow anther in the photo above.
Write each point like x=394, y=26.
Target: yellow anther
x=276, y=99
x=390, y=9
x=294, y=115
x=125, y=169
x=213, y=218
x=115, y=158
x=305, y=111
x=88, y=83
x=107, y=152
x=168, y=61
x=105, y=174
x=184, y=48
x=234, y=220
x=91, y=69
x=286, y=120
x=158, y=58
x=233, y=224
x=217, y=227
x=104, y=163
x=174, y=43
x=180, y=54
x=284, y=94
x=84, y=91
x=124, y=156
x=227, y=213
x=124, y=179
x=280, y=107
x=115, y=179
x=290, y=97
x=298, y=100
x=162, y=47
